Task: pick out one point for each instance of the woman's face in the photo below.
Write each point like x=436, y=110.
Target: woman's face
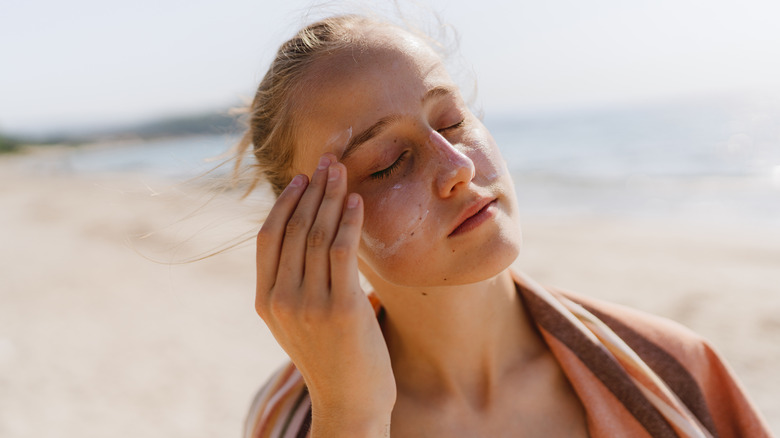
x=440, y=207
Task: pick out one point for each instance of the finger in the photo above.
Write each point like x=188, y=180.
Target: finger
x=344, y=249
x=292, y=257
x=324, y=228
x=271, y=235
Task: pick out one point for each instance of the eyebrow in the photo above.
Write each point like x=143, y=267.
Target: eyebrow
x=375, y=129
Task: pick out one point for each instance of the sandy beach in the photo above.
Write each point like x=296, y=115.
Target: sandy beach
x=96, y=340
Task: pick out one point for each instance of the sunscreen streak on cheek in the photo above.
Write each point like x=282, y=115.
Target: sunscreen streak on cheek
x=490, y=170
x=399, y=236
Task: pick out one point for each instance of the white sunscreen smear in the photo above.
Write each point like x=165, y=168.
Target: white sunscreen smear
x=384, y=251
x=339, y=141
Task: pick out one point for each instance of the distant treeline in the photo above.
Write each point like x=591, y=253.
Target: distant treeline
x=213, y=123
x=204, y=124
x=8, y=144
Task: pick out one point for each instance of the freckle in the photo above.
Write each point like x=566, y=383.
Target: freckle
x=445, y=279
x=453, y=251
x=412, y=233
x=425, y=294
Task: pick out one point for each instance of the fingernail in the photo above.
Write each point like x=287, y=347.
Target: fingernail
x=333, y=173
x=352, y=200
x=324, y=162
x=297, y=181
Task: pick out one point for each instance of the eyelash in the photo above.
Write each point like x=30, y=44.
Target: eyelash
x=387, y=172
x=455, y=126
x=384, y=173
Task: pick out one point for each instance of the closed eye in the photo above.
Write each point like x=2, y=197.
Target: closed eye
x=386, y=172
x=455, y=126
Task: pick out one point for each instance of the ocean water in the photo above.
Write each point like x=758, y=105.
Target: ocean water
x=715, y=161
x=183, y=157
x=700, y=162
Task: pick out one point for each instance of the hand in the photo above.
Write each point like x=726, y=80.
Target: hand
x=309, y=295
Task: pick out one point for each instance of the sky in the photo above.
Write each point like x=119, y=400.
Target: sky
x=89, y=63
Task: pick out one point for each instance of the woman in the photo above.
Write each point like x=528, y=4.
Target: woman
x=407, y=187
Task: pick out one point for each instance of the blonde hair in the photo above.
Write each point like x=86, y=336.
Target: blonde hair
x=271, y=119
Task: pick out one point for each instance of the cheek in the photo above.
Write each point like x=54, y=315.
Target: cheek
x=395, y=222
x=488, y=161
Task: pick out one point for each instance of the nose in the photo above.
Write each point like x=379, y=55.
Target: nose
x=454, y=169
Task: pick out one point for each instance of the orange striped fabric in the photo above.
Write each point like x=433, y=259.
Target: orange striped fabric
x=281, y=409
x=636, y=375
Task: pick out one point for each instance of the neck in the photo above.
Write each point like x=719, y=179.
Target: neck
x=457, y=341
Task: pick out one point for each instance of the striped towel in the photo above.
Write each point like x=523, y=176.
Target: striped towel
x=636, y=375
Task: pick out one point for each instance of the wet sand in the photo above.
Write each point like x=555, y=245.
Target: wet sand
x=96, y=340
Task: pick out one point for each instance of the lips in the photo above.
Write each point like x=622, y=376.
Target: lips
x=474, y=215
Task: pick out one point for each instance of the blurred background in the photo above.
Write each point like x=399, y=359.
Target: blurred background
x=644, y=141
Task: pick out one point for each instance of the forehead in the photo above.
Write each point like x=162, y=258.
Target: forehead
x=386, y=72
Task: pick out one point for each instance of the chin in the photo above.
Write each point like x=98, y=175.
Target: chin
x=487, y=261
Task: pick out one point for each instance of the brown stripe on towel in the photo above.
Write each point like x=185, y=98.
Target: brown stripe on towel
x=600, y=363
x=680, y=381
